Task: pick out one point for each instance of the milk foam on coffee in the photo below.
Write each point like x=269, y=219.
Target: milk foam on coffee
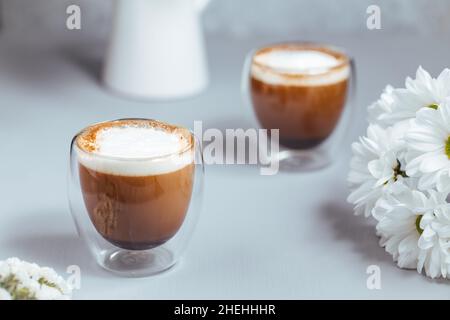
x=137, y=142
x=134, y=148
x=290, y=65
x=298, y=61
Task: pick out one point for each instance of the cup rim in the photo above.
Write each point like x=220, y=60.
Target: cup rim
x=189, y=147
x=345, y=61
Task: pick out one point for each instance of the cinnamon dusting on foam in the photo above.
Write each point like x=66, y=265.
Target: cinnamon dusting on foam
x=300, y=65
x=88, y=139
x=135, y=147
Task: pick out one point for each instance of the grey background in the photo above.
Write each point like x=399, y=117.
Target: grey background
x=287, y=236
x=246, y=17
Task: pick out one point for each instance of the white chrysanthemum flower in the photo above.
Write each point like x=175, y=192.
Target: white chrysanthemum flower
x=383, y=106
x=429, y=143
x=52, y=277
x=434, y=243
x=48, y=293
x=407, y=149
x=23, y=280
x=377, y=166
x=408, y=225
x=421, y=92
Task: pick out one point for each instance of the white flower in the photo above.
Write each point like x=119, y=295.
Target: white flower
x=424, y=91
x=400, y=172
x=23, y=280
x=429, y=144
x=434, y=243
x=48, y=293
x=383, y=106
x=377, y=166
x=414, y=229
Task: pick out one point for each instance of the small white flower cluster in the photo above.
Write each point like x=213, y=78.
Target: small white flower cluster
x=20, y=280
x=400, y=173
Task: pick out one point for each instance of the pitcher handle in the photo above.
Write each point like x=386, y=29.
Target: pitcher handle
x=201, y=5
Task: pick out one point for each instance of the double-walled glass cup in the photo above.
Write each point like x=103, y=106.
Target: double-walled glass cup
x=302, y=90
x=136, y=215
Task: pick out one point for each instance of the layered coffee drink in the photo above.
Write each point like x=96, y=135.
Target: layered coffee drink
x=136, y=179
x=300, y=89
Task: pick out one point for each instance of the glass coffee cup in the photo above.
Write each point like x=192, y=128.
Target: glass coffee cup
x=301, y=89
x=135, y=191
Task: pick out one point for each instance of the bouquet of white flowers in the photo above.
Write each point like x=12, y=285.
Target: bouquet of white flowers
x=400, y=173
x=20, y=280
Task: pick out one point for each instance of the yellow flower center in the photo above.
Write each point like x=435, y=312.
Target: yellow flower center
x=447, y=147
x=434, y=106
x=418, y=228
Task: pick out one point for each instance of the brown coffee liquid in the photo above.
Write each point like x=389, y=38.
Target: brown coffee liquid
x=137, y=212
x=305, y=115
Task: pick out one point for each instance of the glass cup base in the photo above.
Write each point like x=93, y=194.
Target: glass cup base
x=140, y=263
x=302, y=160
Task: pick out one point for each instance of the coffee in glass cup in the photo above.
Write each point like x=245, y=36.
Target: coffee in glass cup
x=135, y=181
x=302, y=90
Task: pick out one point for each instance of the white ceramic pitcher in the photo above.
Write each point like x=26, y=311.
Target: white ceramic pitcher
x=156, y=49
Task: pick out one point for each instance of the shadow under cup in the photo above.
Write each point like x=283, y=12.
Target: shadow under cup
x=300, y=89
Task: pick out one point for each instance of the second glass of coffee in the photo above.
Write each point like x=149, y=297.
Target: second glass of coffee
x=302, y=90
